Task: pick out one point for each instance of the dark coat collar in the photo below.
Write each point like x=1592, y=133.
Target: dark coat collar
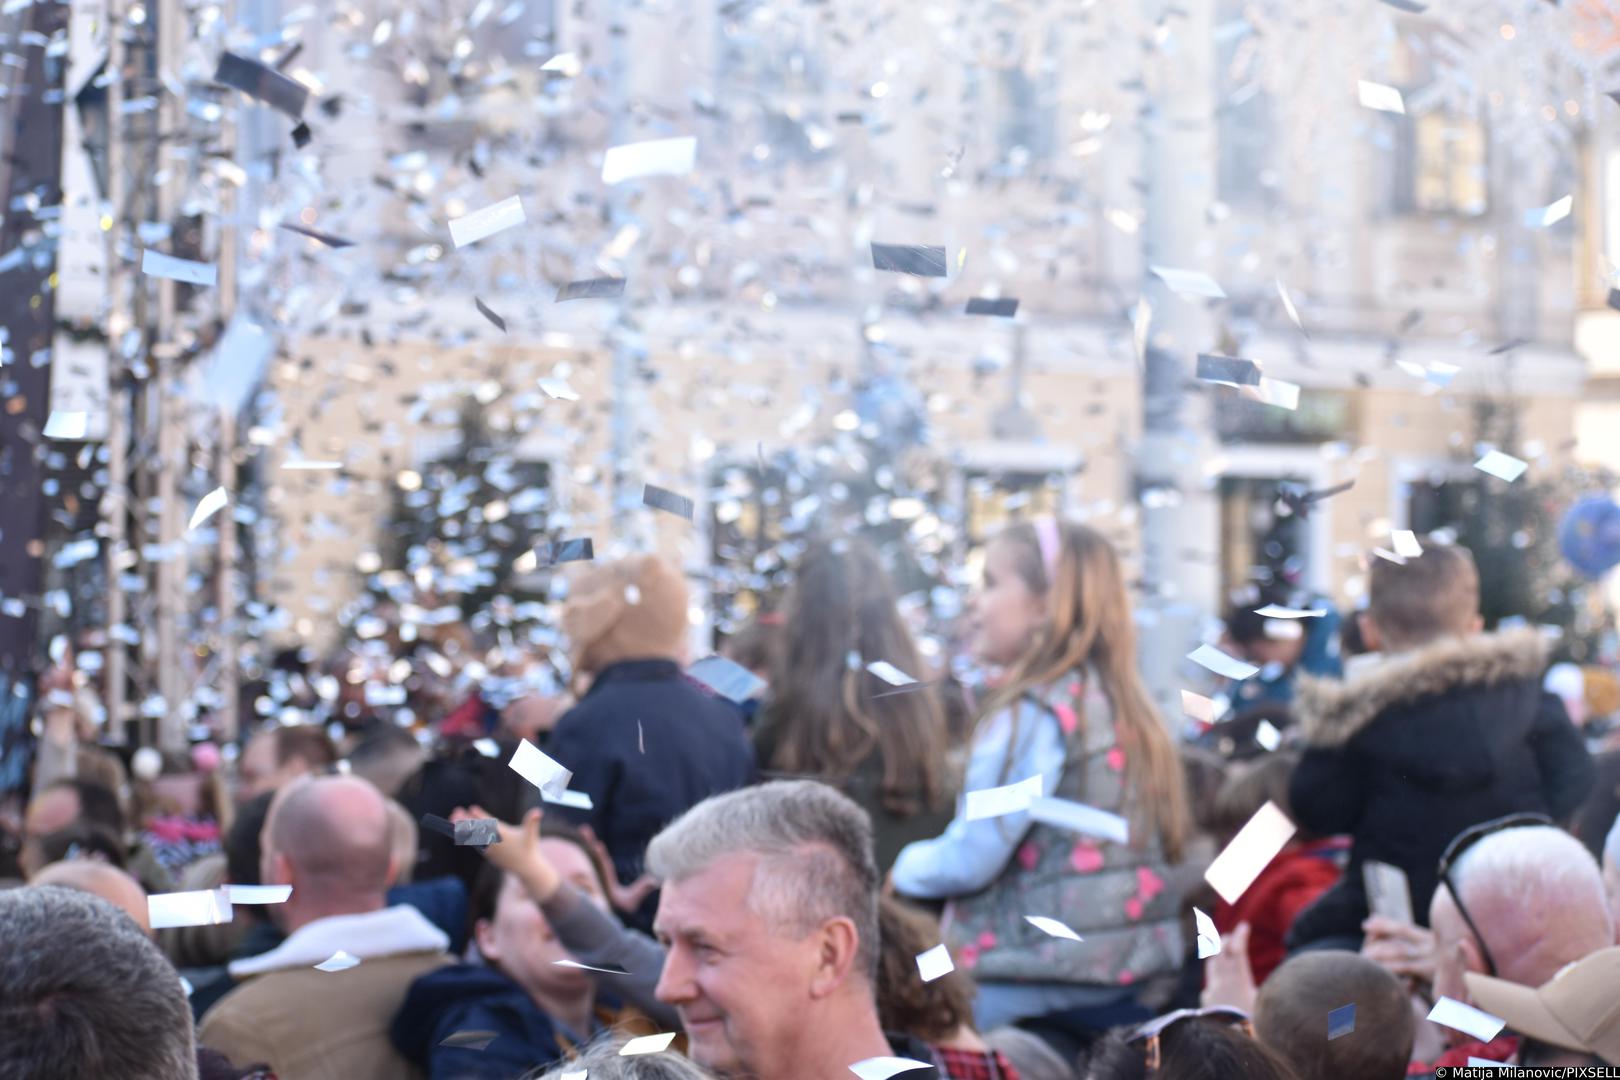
x=1330, y=711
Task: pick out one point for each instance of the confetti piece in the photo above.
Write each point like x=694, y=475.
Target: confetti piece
x=262, y=83
x=1551, y=214
x=558, y=389
x=1341, y=1021
x=469, y=1040
x=602, y=288
x=918, y=260
x=1288, y=306
x=1208, y=656
x=210, y=504
x=647, y=1044
x=890, y=674
x=935, y=963
x=481, y=224
x=1189, y=282
x=1275, y=611
x=205, y=907
x=302, y=136
x=483, y=309
x=1284, y=395
x=159, y=265
x=1267, y=735
x=1006, y=799
x=1487, y=1063
x=258, y=894
x=481, y=832
x=315, y=234
x=1406, y=543
x=1141, y=323
x=566, y=64
x=1080, y=818
x=1255, y=845
x=1451, y=1013
x=63, y=424
x=338, y=961
x=881, y=1068
x=306, y=465
x=727, y=678
x=579, y=549
x=1198, y=707
x=1209, y=938
x=575, y=800
x=1380, y=97
x=531, y=763
x=668, y=501
x=655, y=157
x=1001, y=309
x=577, y=1075
x=1232, y=370
x=1052, y=927
x=1502, y=466
x=611, y=970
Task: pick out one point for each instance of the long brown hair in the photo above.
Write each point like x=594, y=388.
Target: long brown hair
x=827, y=715
x=1089, y=627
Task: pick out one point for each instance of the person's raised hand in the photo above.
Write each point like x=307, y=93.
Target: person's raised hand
x=625, y=898
x=519, y=850
x=1401, y=948
x=1228, y=979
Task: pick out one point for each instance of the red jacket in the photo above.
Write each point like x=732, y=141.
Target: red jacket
x=1289, y=884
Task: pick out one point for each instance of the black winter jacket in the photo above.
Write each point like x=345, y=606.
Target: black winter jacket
x=647, y=744
x=1422, y=746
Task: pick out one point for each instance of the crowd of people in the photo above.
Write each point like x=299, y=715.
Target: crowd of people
x=869, y=863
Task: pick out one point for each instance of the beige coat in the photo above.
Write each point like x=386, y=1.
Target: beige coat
x=309, y=1024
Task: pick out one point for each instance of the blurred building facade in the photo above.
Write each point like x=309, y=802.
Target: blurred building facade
x=1409, y=245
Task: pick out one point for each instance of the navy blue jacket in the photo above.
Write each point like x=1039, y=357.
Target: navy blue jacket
x=647, y=744
x=469, y=998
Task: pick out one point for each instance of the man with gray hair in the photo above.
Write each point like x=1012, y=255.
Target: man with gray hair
x=769, y=916
x=84, y=992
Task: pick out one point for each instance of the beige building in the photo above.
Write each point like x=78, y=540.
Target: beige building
x=1384, y=229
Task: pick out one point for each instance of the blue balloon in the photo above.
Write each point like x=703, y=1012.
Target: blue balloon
x=1589, y=536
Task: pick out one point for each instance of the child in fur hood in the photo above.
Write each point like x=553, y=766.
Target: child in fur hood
x=1449, y=728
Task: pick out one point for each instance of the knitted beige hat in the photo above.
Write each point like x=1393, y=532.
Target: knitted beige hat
x=631, y=609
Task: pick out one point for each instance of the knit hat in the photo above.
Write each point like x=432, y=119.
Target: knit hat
x=631, y=609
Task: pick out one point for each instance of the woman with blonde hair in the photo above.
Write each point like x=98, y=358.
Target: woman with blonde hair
x=1053, y=615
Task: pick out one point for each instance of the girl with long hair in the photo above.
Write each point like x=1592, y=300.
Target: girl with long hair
x=1053, y=615
x=830, y=719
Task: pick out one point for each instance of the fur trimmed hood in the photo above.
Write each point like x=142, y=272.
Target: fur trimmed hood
x=1330, y=711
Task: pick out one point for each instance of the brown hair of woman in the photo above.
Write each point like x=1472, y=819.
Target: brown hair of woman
x=842, y=602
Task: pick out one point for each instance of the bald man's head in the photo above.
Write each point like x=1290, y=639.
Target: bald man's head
x=1537, y=897
x=99, y=879
x=328, y=838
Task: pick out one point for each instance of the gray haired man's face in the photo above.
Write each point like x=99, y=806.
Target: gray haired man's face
x=741, y=990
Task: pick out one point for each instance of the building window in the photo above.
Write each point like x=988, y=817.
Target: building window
x=994, y=500
x=1440, y=165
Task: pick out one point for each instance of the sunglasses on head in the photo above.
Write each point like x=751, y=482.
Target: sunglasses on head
x=1150, y=1033
x=1455, y=850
